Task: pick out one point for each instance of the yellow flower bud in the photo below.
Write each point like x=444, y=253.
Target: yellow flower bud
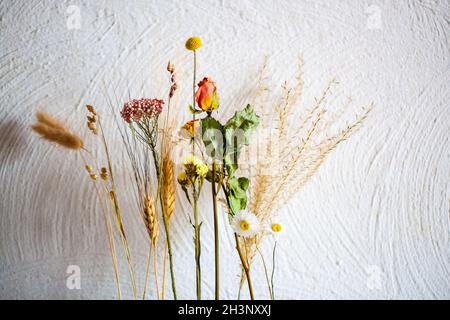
x=193, y=43
x=183, y=179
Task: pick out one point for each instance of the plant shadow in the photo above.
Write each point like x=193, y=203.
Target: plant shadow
x=12, y=141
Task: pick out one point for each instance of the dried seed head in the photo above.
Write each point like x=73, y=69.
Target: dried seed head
x=170, y=67
x=150, y=219
x=91, y=109
x=92, y=119
x=52, y=130
x=168, y=187
x=92, y=127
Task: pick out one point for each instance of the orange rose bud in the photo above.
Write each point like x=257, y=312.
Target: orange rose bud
x=206, y=95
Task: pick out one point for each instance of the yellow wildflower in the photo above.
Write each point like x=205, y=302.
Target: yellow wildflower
x=193, y=43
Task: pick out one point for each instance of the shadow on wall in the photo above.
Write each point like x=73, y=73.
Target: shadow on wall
x=12, y=141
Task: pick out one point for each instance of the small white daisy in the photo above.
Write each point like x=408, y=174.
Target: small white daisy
x=275, y=228
x=245, y=224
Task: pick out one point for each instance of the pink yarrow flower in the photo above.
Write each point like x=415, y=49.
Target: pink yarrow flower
x=134, y=110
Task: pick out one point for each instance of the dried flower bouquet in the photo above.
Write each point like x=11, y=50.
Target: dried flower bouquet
x=295, y=147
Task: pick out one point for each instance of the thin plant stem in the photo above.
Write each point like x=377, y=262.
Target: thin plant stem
x=156, y=273
x=197, y=248
x=148, y=271
x=113, y=197
x=198, y=274
x=163, y=150
x=193, y=96
x=164, y=272
x=216, y=231
x=165, y=222
x=273, y=269
x=240, y=286
x=245, y=266
x=109, y=230
x=169, y=249
x=266, y=273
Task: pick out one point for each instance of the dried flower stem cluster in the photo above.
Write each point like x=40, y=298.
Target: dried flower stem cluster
x=296, y=148
x=297, y=142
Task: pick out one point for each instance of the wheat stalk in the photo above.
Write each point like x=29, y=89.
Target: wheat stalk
x=151, y=223
x=168, y=187
x=150, y=219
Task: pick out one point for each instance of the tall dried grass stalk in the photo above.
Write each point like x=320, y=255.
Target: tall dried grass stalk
x=167, y=182
x=109, y=229
x=297, y=144
x=164, y=172
x=117, y=213
x=151, y=222
x=52, y=130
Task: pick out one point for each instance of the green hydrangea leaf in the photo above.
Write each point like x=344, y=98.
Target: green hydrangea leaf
x=237, y=134
x=213, y=138
x=237, y=193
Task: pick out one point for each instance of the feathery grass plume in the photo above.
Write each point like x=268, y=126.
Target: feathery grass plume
x=52, y=130
x=295, y=147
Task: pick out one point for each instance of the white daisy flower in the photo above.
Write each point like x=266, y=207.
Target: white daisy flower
x=245, y=224
x=275, y=228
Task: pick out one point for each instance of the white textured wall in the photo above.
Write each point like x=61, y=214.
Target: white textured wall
x=380, y=204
